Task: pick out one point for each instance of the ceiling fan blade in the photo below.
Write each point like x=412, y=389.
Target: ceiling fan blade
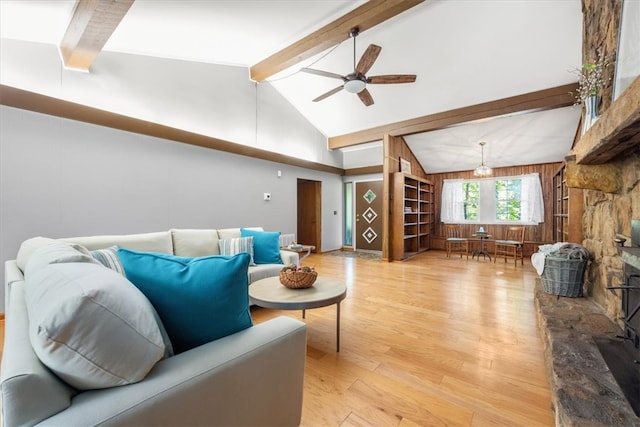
x=365, y=97
x=368, y=58
x=328, y=94
x=392, y=78
x=323, y=73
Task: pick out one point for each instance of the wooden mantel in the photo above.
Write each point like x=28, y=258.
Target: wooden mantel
x=617, y=131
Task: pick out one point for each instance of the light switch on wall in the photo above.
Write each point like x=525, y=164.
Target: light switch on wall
x=267, y=196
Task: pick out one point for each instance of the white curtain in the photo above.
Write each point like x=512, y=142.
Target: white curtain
x=532, y=207
x=532, y=203
x=452, y=210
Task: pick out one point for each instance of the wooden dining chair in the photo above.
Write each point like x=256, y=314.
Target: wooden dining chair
x=455, y=242
x=511, y=246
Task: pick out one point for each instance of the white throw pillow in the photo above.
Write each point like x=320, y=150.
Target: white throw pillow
x=28, y=247
x=91, y=326
x=56, y=253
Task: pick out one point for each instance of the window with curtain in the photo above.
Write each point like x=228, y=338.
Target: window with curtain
x=502, y=200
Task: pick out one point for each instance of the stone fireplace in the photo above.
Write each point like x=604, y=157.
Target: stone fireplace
x=622, y=352
x=605, y=164
x=579, y=333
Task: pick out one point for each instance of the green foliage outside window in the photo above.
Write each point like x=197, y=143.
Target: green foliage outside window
x=508, y=204
x=471, y=200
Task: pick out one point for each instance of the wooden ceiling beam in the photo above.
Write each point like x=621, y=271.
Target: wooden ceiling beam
x=91, y=25
x=364, y=17
x=31, y=101
x=547, y=99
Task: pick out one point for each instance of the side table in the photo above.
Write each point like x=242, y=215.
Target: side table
x=482, y=251
x=270, y=293
x=300, y=249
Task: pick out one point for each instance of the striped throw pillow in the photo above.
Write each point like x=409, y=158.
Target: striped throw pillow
x=236, y=245
x=109, y=258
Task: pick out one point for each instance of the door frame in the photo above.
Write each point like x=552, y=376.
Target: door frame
x=316, y=196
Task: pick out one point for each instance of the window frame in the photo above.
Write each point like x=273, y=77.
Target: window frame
x=487, y=210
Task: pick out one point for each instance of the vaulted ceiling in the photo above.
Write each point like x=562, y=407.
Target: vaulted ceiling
x=464, y=53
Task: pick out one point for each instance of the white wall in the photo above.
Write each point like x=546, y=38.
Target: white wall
x=60, y=177
x=371, y=154
x=210, y=99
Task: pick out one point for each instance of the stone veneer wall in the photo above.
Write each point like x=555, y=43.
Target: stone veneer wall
x=607, y=215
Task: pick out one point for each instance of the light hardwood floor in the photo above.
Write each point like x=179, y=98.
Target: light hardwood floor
x=426, y=342
x=430, y=341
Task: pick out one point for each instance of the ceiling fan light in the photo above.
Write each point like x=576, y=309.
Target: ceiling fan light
x=354, y=86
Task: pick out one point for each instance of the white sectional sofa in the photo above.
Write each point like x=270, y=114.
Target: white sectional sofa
x=250, y=377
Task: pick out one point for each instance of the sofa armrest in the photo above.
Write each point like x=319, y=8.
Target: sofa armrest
x=289, y=257
x=253, y=377
x=30, y=391
x=12, y=274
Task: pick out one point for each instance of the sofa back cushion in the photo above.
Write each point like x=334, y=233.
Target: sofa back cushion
x=198, y=299
x=153, y=242
x=91, y=326
x=195, y=243
x=233, y=233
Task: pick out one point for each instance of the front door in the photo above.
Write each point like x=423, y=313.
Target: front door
x=369, y=215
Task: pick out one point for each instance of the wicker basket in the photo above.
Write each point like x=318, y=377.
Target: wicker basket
x=562, y=276
x=298, y=279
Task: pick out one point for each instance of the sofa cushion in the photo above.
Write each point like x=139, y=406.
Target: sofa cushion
x=262, y=271
x=55, y=253
x=231, y=233
x=194, y=243
x=266, y=245
x=230, y=247
x=91, y=326
x=28, y=247
x=198, y=299
x=109, y=258
x=159, y=241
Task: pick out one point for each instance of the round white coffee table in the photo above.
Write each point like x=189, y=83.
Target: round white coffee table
x=270, y=293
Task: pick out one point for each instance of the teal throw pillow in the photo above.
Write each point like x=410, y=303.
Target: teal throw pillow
x=198, y=299
x=266, y=246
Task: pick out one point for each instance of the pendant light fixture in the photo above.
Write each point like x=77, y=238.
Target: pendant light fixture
x=482, y=170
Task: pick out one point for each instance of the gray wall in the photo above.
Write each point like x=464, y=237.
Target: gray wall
x=60, y=178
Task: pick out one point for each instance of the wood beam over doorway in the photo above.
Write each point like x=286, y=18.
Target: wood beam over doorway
x=547, y=99
x=364, y=17
x=91, y=25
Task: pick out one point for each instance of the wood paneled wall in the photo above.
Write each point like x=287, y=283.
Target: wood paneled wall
x=394, y=148
x=399, y=149
x=536, y=234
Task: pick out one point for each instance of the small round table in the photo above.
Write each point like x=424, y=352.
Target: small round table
x=482, y=251
x=270, y=293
